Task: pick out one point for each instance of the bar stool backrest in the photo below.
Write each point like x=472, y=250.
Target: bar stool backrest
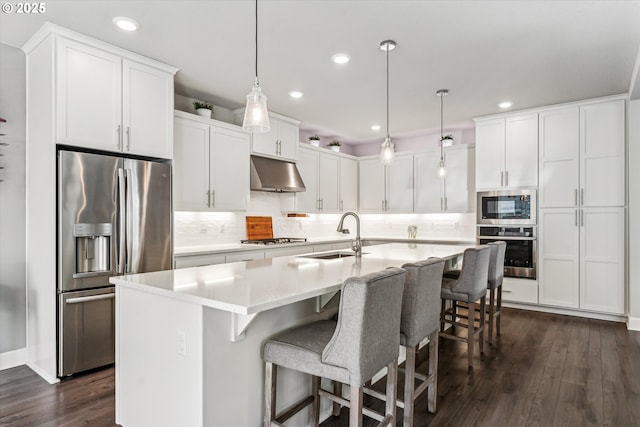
x=496, y=264
x=366, y=338
x=421, y=300
x=474, y=273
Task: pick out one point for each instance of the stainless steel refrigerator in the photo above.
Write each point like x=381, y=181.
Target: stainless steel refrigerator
x=114, y=217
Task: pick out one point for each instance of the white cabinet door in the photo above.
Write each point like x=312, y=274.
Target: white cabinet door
x=490, y=139
x=307, y=201
x=559, y=251
x=348, y=184
x=88, y=98
x=372, y=185
x=400, y=185
x=281, y=142
x=429, y=186
x=602, y=259
x=329, y=174
x=521, y=151
x=229, y=169
x=288, y=137
x=459, y=189
x=147, y=110
x=559, y=140
x=191, y=166
x=602, y=154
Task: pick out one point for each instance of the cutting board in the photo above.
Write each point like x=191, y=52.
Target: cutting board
x=259, y=227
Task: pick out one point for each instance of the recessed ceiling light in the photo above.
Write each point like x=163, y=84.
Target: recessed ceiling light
x=125, y=23
x=505, y=104
x=375, y=127
x=296, y=94
x=341, y=58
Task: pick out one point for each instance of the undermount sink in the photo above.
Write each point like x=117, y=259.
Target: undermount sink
x=329, y=255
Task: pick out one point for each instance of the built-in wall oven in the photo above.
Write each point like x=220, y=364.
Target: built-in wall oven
x=520, y=256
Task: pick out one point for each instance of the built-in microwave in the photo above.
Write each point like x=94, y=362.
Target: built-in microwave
x=507, y=207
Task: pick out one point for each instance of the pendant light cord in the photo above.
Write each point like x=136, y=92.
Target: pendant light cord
x=388, y=49
x=441, y=125
x=256, y=39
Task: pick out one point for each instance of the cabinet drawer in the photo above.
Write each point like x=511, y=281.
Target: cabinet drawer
x=520, y=290
x=198, y=260
x=245, y=256
x=273, y=253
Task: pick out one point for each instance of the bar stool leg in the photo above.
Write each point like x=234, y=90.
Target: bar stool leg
x=492, y=312
x=433, y=371
x=314, y=413
x=337, y=390
x=409, y=384
x=470, y=332
x=270, y=378
x=355, y=406
x=392, y=391
x=483, y=301
x=443, y=314
x=499, y=310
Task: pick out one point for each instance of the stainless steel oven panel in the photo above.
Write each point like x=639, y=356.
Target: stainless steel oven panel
x=86, y=328
x=532, y=192
x=513, y=271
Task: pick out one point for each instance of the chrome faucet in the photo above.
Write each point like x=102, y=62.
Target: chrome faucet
x=357, y=245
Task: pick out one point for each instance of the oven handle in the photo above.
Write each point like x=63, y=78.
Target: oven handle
x=506, y=238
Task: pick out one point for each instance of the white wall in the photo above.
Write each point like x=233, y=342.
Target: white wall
x=634, y=213
x=12, y=205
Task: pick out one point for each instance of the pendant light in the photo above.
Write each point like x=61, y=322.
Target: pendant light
x=442, y=168
x=256, y=116
x=387, y=153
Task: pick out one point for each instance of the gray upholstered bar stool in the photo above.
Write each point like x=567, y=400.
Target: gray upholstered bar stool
x=420, y=319
x=352, y=350
x=494, y=284
x=469, y=287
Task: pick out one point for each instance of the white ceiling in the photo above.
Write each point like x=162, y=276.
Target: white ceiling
x=533, y=53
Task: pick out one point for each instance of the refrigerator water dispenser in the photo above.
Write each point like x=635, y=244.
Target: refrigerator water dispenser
x=93, y=247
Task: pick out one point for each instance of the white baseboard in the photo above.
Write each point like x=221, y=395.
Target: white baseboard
x=567, y=311
x=633, y=323
x=11, y=359
x=48, y=378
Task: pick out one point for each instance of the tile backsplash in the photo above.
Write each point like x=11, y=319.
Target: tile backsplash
x=207, y=228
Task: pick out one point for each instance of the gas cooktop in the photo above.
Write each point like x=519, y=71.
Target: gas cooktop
x=277, y=241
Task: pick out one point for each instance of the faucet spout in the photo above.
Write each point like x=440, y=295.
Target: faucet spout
x=356, y=245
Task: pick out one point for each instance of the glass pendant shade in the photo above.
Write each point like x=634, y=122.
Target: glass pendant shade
x=387, y=153
x=442, y=169
x=256, y=115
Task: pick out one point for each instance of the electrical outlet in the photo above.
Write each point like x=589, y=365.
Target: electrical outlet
x=182, y=343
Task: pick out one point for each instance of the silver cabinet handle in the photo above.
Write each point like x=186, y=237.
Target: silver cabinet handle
x=213, y=198
x=128, y=138
x=445, y=204
x=581, y=218
x=79, y=300
x=208, y=204
x=119, y=137
x=575, y=197
x=441, y=204
x=582, y=196
x=576, y=218
x=506, y=290
x=501, y=178
x=341, y=204
x=506, y=178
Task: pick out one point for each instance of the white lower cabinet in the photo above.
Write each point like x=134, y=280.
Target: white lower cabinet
x=198, y=260
x=581, y=258
x=520, y=290
x=244, y=256
x=210, y=167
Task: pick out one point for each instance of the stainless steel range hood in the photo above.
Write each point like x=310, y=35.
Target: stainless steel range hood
x=275, y=175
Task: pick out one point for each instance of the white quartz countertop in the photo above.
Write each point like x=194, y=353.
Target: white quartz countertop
x=238, y=247
x=253, y=286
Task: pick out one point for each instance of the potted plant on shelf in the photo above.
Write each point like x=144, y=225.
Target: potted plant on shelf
x=446, y=141
x=334, y=145
x=203, y=108
x=314, y=140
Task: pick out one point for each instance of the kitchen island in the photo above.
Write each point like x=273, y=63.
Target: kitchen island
x=189, y=341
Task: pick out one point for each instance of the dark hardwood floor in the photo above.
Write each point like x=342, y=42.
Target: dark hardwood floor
x=544, y=370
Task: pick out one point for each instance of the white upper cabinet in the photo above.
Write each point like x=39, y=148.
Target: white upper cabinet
x=454, y=193
x=386, y=188
x=582, y=155
x=281, y=142
x=602, y=154
x=109, y=102
x=559, y=139
x=507, y=152
x=330, y=180
x=210, y=166
x=348, y=184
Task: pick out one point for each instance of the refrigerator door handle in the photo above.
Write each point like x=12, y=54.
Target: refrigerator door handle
x=129, y=222
x=122, y=220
